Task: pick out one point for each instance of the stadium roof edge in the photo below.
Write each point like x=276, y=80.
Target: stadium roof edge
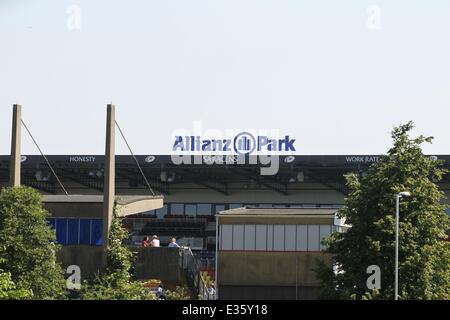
x=351, y=160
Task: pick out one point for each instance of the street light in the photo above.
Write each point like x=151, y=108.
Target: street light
x=403, y=194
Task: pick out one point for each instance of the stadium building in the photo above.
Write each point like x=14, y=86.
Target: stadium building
x=195, y=193
x=276, y=221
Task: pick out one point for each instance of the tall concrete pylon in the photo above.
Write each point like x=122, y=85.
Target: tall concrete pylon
x=15, y=158
x=109, y=178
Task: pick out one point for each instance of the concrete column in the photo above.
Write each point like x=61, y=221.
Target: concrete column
x=15, y=159
x=109, y=182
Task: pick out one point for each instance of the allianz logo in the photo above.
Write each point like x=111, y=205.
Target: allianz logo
x=242, y=143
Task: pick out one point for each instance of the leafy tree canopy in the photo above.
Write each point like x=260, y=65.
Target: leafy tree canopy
x=28, y=250
x=115, y=282
x=424, y=256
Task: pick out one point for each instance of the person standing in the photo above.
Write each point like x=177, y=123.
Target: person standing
x=155, y=241
x=173, y=243
x=161, y=293
x=146, y=242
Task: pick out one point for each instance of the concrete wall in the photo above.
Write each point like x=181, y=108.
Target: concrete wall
x=267, y=293
x=268, y=275
x=88, y=258
x=74, y=209
x=268, y=268
x=157, y=263
x=151, y=263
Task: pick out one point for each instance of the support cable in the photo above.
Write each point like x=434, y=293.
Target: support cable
x=134, y=157
x=46, y=160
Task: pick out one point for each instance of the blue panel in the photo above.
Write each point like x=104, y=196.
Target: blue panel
x=61, y=231
x=96, y=235
x=72, y=229
x=85, y=231
x=52, y=223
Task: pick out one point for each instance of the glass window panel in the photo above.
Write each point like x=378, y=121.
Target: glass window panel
x=61, y=231
x=290, y=237
x=52, y=223
x=177, y=208
x=96, y=232
x=72, y=229
x=270, y=237
x=249, y=239
x=324, y=231
x=235, y=205
x=226, y=236
x=85, y=231
x=313, y=237
x=149, y=213
x=238, y=237
x=161, y=212
x=261, y=237
x=278, y=237
x=190, y=209
x=219, y=207
x=204, y=209
x=302, y=237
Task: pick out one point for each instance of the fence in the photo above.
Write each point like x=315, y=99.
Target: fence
x=192, y=268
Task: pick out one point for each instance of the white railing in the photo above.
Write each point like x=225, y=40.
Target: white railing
x=191, y=266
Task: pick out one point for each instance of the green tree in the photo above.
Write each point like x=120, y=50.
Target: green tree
x=28, y=252
x=116, y=282
x=179, y=293
x=424, y=256
x=8, y=289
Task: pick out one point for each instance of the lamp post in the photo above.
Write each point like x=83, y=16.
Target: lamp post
x=397, y=215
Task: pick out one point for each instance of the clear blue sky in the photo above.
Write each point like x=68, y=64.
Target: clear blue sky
x=311, y=69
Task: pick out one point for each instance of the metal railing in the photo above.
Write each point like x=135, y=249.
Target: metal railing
x=192, y=268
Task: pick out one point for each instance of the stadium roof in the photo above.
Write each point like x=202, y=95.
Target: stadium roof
x=127, y=205
x=280, y=211
x=217, y=173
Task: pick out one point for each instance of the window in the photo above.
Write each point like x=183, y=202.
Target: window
x=278, y=237
x=96, y=232
x=219, y=207
x=204, y=209
x=313, y=237
x=85, y=231
x=249, y=238
x=161, y=212
x=150, y=213
x=290, y=231
x=324, y=231
x=270, y=237
x=302, y=237
x=74, y=231
x=177, y=209
x=235, y=205
x=61, y=231
x=191, y=209
x=261, y=237
x=238, y=237
x=52, y=223
x=226, y=236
